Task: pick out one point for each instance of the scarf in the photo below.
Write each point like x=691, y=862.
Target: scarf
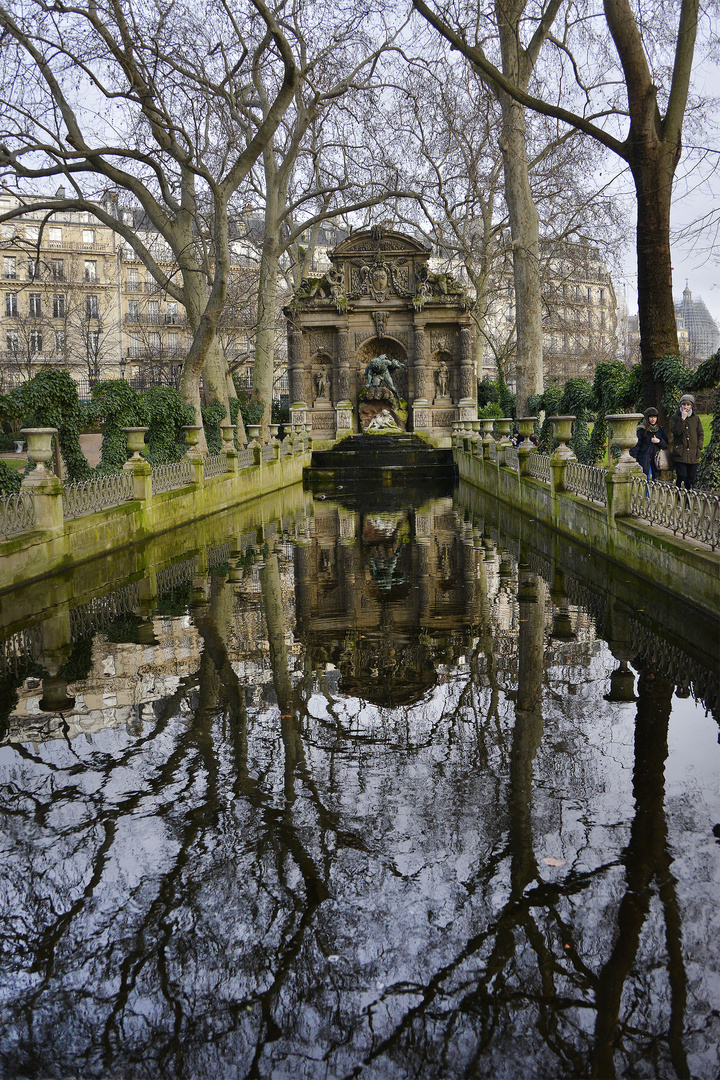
x=652, y=428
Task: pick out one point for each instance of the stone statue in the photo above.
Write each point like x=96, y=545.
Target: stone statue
x=443, y=379
x=322, y=382
x=377, y=373
x=384, y=421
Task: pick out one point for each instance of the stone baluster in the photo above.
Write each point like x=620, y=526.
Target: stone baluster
x=136, y=464
x=45, y=487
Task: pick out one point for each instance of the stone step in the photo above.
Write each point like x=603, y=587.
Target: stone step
x=380, y=459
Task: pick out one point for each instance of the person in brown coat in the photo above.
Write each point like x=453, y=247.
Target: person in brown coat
x=688, y=439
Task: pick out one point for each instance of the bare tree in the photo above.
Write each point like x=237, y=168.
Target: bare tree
x=160, y=103
x=318, y=165
x=656, y=98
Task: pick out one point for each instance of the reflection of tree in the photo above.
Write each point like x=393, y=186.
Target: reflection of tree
x=647, y=861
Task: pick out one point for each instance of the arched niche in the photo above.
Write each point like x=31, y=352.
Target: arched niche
x=444, y=377
x=321, y=379
x=393, y=350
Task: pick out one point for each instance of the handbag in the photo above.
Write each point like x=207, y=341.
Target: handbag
x=662, y=461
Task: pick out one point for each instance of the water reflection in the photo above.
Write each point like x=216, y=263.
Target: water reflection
x=377, y=791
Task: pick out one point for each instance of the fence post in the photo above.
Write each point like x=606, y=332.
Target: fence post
x=623, y=433
x=192, y=454
x=137, y=465
x=45, y=487
x=562, y=426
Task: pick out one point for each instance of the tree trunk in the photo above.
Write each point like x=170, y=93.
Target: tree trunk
x=265, y=334
x=653, y=169
x=524, y=229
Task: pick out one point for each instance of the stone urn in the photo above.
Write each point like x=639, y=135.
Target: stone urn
x=504, y=424
x=39, y=443
x=253, y=434
x=135, y=441
x=562, y=426
x=192, y=437
x=622, y=684
x=487, y=426
x=526, y=427
x=274, y=432
x=623, y=427
x=227, y=430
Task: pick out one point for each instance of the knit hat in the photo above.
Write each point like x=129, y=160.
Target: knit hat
x=687, y=398
x=652, y=411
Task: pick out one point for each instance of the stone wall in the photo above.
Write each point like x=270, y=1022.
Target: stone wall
x=682, y=566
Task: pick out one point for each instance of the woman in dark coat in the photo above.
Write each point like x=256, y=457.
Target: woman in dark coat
x=650, y=439
x=688, y=439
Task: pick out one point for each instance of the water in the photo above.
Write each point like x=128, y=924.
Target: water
x=402, y=789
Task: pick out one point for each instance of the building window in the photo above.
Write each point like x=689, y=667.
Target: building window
x=88, y=236
x=36, y=341
x=91, y=307
x=135, y=346
x=602, y=296
x=171, y=313
x=12, y=340
x=589, y=296
x=58, y=306
x=134, y=311
x=9, y=267
x=153, y=311
x=172, y=344
x=602, y=318
x=32, y=233
x=33, y=269
x=10, y=304
x=132, y=278
x=154, y=342
x=8, y=232
x=60, y=342
x=93, y=342
x=35, y=305
x=90, y=270
x=57, y=269
x=55, y=234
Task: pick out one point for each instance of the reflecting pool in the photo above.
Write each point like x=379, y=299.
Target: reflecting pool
x=341, y=788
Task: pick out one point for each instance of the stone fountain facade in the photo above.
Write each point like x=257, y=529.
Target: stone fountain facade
x=380, y=299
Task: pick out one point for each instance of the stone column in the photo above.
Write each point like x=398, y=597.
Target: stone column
x=468, y=378
x=296, y=369
x=421, y=412
x=343, y=404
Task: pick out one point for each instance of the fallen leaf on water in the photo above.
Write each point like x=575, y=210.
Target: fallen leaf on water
x=550, y=860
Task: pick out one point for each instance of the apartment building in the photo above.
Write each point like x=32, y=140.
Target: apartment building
x=61, y=301
x=579, y=315
x=76, y=297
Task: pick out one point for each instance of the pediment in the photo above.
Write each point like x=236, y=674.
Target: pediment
x=388, y=244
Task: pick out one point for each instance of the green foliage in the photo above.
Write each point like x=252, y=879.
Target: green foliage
x=50, y=399
x=252, y=412
x=10, y=479
x=707, y=376
x=630, y=399
x=492, y=409
x=548, y=402
x=115, y=402
x=177, y=601
x=79, y=664
x=676, y=377
x=495, y=391
x=577, y=400
x=164, y=413
x=610, y=389
x=212, y=415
